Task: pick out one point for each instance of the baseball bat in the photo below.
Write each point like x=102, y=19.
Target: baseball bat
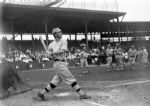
x=43, y=43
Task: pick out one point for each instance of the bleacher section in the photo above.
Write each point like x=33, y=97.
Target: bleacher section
x=36, y=45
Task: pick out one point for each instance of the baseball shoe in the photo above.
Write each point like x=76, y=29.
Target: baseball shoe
x=41, y=96
x=85, y=97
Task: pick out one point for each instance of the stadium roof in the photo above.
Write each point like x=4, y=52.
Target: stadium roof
x=31, y=19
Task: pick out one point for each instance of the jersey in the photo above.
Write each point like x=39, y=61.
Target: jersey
x=83, y=55
x=118, y=51
x=109, y=51
x=56, y=46
x=144, y=54
x=132, y=53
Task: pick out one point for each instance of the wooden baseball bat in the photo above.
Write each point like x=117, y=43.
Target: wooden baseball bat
x=43, y=43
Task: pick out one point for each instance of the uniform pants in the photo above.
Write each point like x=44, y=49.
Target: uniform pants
x=62, y=73
x=119, y=62
x=84, y=62
x=131, y=62
x=109, y=63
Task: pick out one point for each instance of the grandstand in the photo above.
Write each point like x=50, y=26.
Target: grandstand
x=20, y=19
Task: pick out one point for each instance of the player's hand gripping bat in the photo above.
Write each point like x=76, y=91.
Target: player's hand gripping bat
x=46, y=49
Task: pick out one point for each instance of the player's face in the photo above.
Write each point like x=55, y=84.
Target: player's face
x=84, y=48
x=58, y=35
x=132, y=47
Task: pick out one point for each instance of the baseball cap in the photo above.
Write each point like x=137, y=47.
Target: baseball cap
x=56, y=30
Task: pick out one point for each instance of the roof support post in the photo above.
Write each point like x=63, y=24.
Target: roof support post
x=108, y=31
x=21, y=36
x=46, y=33
x=118, y=29
x=86, y=31
x=12, y=29
x=13, y=34
x=113, y=36
x=70, y=36
x=32, y=41
x=127, y=35
x=46, y=20
x=91, y=36
x=85, y=22
x=75, y=36
x=100, y=36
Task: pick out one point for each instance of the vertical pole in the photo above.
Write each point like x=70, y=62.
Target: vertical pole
x=85, y=22
x=118, y=29
x=86, y=37
x=101, y=37
x=113, y=36
x=127, y=36
x=45, y=21
x=91, y=36
x=21, y=36
x=108, y=31
x=12, y=31
x=75, y=36
x=70, y=36
x=109, y=37
x=46, y=33
x=32, y=41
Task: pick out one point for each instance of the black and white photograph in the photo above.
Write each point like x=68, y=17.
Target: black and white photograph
x=74, y=52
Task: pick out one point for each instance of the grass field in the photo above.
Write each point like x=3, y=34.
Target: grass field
x=116, y=88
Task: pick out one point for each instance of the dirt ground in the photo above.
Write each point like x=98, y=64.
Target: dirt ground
x=127, y=88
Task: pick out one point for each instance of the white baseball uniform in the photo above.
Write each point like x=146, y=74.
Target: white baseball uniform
x=60, y=64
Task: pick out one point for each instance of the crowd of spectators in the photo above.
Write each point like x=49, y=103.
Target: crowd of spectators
x=95, y=56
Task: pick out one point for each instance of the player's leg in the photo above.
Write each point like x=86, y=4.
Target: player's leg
x=117, y=62
x=53, y=84
x=108, y=64
x=63, y=71
x=83, y=66
x=121, y=62
x=86, y=66
x=132, y=63
x=111, y=66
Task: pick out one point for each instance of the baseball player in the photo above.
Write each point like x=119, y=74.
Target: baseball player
x=132, y=56
x=144, y=56
x=139, y=55
x=57, y=49
x=109, y=53
x=83, y=61
x=119, y=57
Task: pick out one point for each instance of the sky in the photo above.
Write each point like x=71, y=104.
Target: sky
x=136, y=10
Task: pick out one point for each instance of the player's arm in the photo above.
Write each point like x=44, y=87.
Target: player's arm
x=135, y=54
x=107, y=54
x=115, y=51
x=129, y=54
